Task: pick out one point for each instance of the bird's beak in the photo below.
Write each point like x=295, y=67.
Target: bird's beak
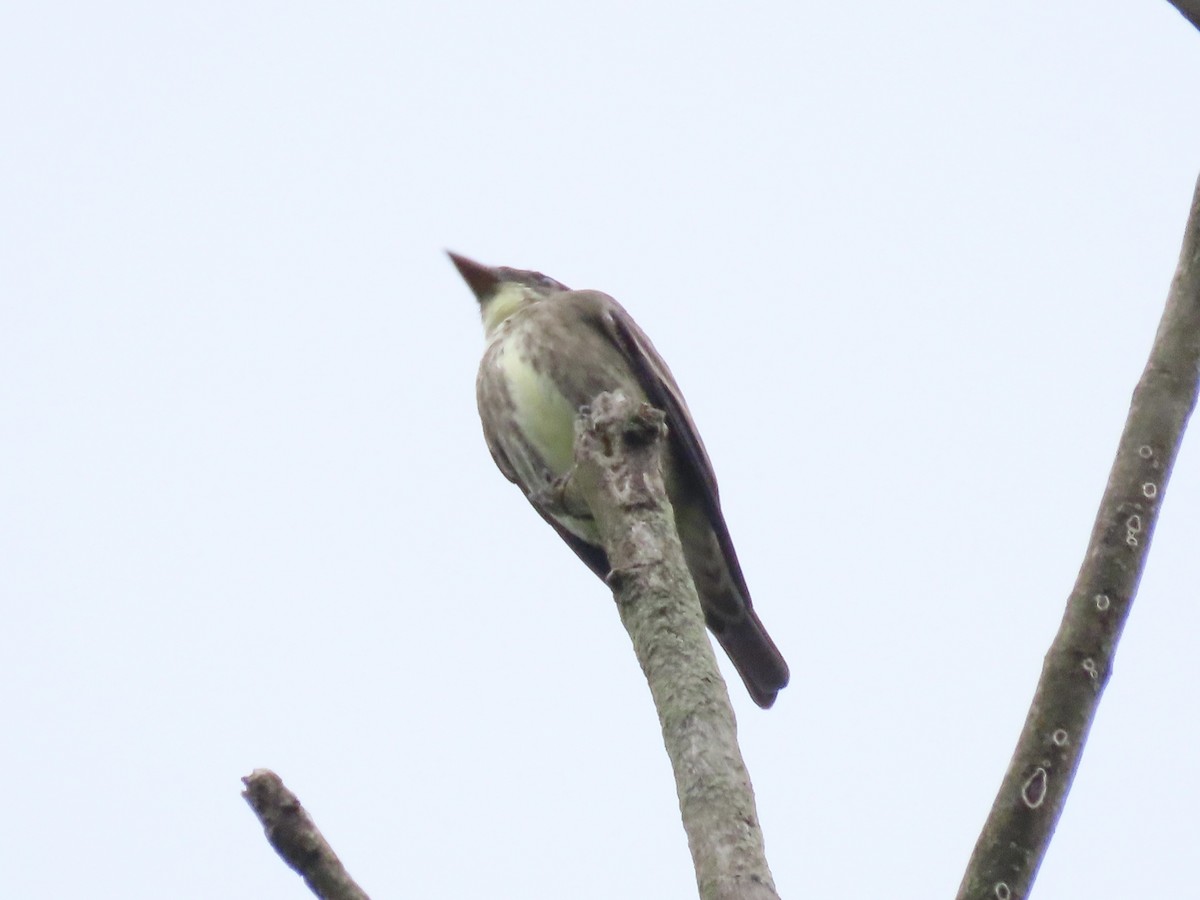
x=482, y=279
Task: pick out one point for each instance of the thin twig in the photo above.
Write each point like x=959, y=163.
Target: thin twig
x=1018, y=830
x=618, y=447
x=291, y=831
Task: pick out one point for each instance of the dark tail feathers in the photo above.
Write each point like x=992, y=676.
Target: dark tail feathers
x=755, y=657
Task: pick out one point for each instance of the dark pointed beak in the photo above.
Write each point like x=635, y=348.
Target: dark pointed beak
x=480, y=278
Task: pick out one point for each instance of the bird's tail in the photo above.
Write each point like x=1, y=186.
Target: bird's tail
x=754, y=655
x=710, y=558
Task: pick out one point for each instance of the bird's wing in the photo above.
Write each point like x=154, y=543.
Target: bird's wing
x=607, y=315
x=593, y=556
x=655, y=378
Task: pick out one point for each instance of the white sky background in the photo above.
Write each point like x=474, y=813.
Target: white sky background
x=906, y=261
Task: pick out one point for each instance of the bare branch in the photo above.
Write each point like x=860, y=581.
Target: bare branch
x=618, y=458
x=1018, y=830
x=291, y=831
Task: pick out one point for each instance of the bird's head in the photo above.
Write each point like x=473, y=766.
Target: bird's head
x=501, y=291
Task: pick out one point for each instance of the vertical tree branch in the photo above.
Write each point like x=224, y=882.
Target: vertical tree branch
x=618, y=474
x=1026, y=810
x=294, y=835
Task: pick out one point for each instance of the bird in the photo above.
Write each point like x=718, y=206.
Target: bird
x=550, y=351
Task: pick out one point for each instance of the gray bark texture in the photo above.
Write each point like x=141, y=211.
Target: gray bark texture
x=618, y=473
x=291, y=831
x=1031, y=798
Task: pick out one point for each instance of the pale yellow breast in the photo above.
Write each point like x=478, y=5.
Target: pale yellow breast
x=545, y=416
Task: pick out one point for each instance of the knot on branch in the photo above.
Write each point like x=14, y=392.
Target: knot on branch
x=614, y=423
x=619, y=445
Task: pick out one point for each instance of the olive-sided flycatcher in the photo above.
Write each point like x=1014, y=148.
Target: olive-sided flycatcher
x=550, y=351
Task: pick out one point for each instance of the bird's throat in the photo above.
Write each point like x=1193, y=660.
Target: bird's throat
x=506, y=301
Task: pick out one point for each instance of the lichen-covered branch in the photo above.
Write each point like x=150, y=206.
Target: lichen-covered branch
x=618, y=473
x=291, y=831
x=1018, y=830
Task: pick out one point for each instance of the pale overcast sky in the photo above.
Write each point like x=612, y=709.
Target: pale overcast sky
x=905, y=259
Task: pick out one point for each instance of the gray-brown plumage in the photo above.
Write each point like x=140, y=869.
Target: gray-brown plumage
x=550, y=351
